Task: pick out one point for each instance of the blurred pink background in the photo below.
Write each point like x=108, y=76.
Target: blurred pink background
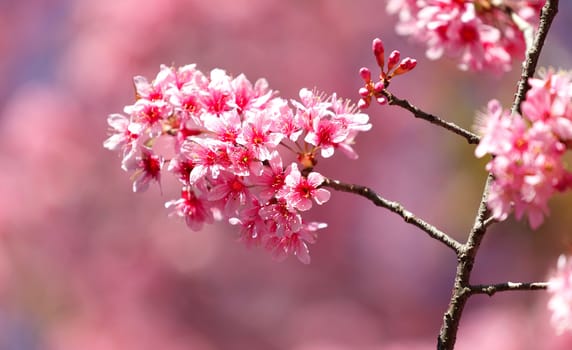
x=87, y=264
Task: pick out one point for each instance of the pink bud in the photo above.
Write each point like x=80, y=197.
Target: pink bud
x=378, y=86
x=393, y=59
x=363, y=103
x=365, y=74
x=381, y=100
x=378, y=52
x=405, y=66
x=363, y=92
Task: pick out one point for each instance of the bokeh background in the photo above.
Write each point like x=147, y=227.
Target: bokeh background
x=87, y=264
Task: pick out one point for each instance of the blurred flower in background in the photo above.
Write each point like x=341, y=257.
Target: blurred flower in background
x=87, y=264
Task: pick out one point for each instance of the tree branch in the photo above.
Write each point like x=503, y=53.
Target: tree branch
x=461, y=287
x=491, y=289
x=418, y=113
x=547, y=15
x=396, y=208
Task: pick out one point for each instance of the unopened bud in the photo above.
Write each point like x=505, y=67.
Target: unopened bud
x=405, y=66
x=365, y=74
x=378, y=52
x=363, y=92
x=393, y=59
x=363, y=103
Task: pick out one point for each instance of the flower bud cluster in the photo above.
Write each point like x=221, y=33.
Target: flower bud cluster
x=240, y=153
x=395, y=66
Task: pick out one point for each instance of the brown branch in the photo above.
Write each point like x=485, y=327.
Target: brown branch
x=491, y=289
x=461, y=287
x=396, y=208
x=461, y=292
x=547, y=15
x=418, y=113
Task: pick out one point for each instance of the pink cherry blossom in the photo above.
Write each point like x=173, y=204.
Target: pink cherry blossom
x=325, y=134
x=208, y=156
x=218, y=93
x=496, y=127
x=225, y=140
x=257, y=134
x=149, y=114
x=252, y=225
x=295, y=243
x=281, y=218
x=226, y=126
x=193, y=209
x=548, y=101
x=272, y=178
x=299, y=191
x=527, y=166
x=122, y=137
x=244, y=161
x=147, y=168
x=560, y=290
x=528, y=151
x=230, y=191
x=479, y=35
x=247, y=97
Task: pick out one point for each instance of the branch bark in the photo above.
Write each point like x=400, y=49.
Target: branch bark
x=491, y=289
x=396, y=208
x=418, y=113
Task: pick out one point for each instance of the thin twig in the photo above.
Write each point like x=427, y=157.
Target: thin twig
x=491, y=289
x=418, y=113
x=396, y=208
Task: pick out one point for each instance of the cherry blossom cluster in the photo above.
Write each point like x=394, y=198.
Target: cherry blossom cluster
x=560, y=290
x=528, y=149
x=395, y=66
x=240, y=153
x=479, y=34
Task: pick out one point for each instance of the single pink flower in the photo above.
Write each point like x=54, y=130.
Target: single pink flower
x=244, y=161
x=272, y=178
x=226, y=126
x=150, y=115
x=193, y=209
x=248, y=97
x=257, y=135
x=252, y=227
x=280, y=217
x=147, y=167
x=299, y=191
x=326, y=134
x=230, y=191
x=284, y=120
x=218, y=94
x=209, y=157
x=181, y=167
x=294, y=243
x=122, y=138
x=147, y=91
